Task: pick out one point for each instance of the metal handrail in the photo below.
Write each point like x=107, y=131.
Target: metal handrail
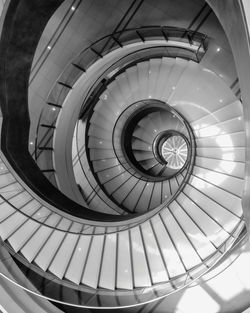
x=108, y=227
x=86, y=176
x=137, y=295
x=188, y=166
x=96, y=85
x=65, y=82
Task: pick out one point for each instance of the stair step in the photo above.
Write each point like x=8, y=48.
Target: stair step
x=155, y=261
x=222, y=141
x=118, y=181
x=206, y=222
x=227, y=112
x=139, y=261
x=226, y=127
x=196, y=235
x=156, y=196
x=48, y=251
x=166, y=67
x=108, y=270
x=222, y=197
x=230, y=168
x=222, y=215
x=171, y=257
x=93, y=264
x=236, y=154
x=121, y=193
x=231, y=184
x=187, y=253
x=104, y=164
x=124, y=262
x=143, y=75
x=63, y=255
x=154, y=69
x=116, y=95
x=172, y=80
x=145, y=198
x=38, y=239
x=78, y=259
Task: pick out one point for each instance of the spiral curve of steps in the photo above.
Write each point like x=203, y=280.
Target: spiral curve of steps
x=180, y=240
x=137, y=191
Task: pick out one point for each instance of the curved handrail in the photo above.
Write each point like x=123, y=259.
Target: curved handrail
x=94, y=89
x=73, y=71
x=189, y=164
x=157, y=105
x=96, y=193
x=107, y=227
x=92, y=92
x=92, y=298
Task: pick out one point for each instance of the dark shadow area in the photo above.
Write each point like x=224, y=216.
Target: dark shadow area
x=23, y=26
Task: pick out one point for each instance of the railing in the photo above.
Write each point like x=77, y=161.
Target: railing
x=95, y=188
x=128, y=166
x=3, y=9
x=100, y=85
x=90, y=297
x=192, y=45
x=17, y=187
x=47, y=286
x=118, y=223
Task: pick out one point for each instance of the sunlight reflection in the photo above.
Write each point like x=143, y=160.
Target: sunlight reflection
x=200, y=238
x=213, y=177
x=209, y=71
x=199, y=126
x=160, y=276
x=182, y=104
x=224, y=288
x=224, y=140
x=138, y=248
x=203, y=302
x=172, y=260
x=200, y=184
x=215, y=237
x=209, y=131
x=226, y=166
x=228, y=156
x=243, y=272
x=2, y=309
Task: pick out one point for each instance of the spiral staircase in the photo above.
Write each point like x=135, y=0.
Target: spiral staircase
x=157, y=166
